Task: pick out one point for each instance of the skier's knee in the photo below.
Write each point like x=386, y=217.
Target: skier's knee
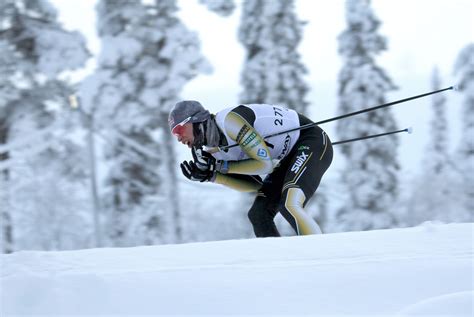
x=291, y=207
x=262, y=219
x=257, y=214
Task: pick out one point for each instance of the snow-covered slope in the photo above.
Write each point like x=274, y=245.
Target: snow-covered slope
x=422, y=270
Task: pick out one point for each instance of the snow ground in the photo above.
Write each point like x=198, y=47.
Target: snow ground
x=424, y=270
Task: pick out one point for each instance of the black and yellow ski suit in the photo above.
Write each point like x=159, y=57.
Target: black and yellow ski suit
x=293, y=162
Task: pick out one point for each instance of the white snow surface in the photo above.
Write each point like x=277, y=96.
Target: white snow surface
x=425, y=270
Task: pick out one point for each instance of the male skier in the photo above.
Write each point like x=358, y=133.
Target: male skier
x=294, y=162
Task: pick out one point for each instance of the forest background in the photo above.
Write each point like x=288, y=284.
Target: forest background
x=104, y=172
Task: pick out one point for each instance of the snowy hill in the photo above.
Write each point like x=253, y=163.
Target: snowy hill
x=422, y=270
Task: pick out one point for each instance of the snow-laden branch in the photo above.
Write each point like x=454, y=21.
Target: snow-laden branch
x=27, y=140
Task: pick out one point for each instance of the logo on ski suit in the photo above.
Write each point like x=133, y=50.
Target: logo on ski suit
x=300, y=159
x=262, y=153
x=285, y=147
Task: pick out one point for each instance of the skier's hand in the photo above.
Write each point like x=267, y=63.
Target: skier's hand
x=206, y=162
x=203, y=160
x=192, y=172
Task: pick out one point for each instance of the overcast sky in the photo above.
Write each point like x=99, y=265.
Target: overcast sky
x=421, y=34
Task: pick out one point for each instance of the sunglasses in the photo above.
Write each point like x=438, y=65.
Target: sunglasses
x=179, y=128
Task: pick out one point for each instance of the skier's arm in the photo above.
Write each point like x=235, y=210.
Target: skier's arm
x=239, y=127
x=243, y=183
x=202, y=168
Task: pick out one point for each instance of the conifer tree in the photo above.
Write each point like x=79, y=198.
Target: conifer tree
x=273, y=73
x=147, y=57
x=371, y=171
x=437, y=159
x=464, y=69
x=431, y=194
x=35, y=50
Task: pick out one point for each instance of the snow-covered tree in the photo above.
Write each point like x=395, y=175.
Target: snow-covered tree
x=35, y=50
x=53, y=206
x=273, y=73
x=437, y=157
x=8, y=93
x=372, y=166
x=464, y=69
x=147, y=57
x=432, y=194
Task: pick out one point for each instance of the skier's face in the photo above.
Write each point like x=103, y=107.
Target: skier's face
x=184, y=133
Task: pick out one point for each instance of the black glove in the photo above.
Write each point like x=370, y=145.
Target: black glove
x=203, y=160
x=192, y=172
x=206, y=162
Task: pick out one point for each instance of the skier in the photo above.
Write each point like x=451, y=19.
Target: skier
x=294, y=162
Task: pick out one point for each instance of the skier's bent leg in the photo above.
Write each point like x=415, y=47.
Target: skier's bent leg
x=261, y=217
x=291, y=207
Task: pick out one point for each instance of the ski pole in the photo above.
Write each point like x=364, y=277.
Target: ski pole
x=383, y=105
x=409, y=130
x=310, y=125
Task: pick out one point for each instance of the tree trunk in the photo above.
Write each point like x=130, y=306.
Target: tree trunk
x=5, y=216
x=94, y=191
x=173, y=189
